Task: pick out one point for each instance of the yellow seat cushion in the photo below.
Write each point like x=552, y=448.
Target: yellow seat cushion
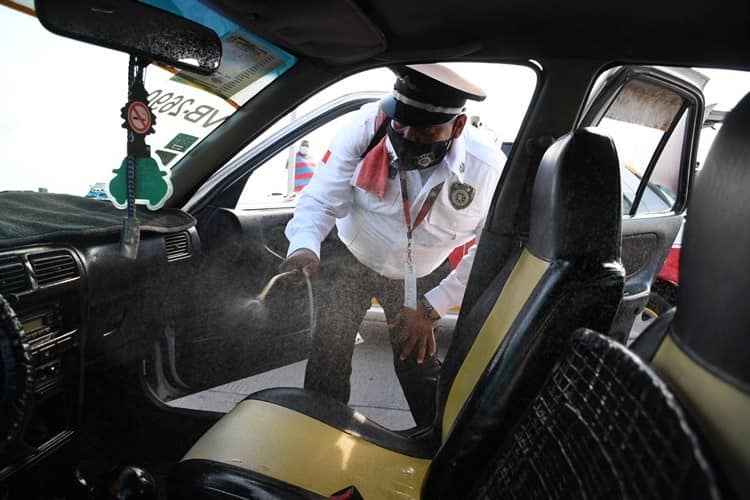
x=300, y=450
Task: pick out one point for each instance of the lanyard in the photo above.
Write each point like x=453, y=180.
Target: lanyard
x=410, y=275
x=426, y=206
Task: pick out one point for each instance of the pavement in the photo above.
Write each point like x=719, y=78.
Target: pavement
x=376, y=392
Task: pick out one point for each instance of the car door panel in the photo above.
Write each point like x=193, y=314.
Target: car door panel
x=234, y=335
x=647, y=237
x=645, y=245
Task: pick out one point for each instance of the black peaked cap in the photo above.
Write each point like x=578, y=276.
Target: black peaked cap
x=426, y=95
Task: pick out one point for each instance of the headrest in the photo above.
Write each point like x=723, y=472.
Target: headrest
x=576, y=206
x=712, y=323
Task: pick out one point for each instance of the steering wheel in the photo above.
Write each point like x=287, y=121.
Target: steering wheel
x=16, y=378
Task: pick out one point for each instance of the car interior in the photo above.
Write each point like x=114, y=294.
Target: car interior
x=562, y=269
x=541, y=395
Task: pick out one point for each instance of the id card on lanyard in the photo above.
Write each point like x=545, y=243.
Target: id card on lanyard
x=410, y=272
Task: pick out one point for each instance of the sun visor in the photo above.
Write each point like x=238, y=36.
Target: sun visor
x=336, y=31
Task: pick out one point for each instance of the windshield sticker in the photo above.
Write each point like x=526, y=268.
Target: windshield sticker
x=181, y=142
x=172, y=104
x=248, y=63
x=165, y=156
x=244, y=62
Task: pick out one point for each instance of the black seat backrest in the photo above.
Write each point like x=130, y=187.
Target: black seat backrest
x=704, y=353
x=603, y=426
x=569, y=275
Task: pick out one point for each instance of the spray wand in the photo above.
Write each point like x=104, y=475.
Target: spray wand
x=261, y=297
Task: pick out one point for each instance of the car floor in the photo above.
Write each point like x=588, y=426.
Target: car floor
x=376, y=392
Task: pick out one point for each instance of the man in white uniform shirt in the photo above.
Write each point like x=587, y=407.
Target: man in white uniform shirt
x=404, y=183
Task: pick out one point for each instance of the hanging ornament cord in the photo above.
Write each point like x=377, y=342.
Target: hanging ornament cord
x=131, y=231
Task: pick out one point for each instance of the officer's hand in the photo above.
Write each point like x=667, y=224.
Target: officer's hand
x=417, y=331
x=304, y=261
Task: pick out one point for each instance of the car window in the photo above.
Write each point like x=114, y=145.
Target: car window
x=498, y=118
x=280, y=180
x=62, y=135
x=361, y=260
x=647, y=123
x=660, y=194
x=723, y=91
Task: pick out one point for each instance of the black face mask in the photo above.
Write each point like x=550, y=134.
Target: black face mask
x=415, y=155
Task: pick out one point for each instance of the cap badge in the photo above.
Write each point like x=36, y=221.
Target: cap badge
x=406, y=81
x=461, y=195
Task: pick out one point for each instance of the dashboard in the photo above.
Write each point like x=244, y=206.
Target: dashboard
x=82, y=308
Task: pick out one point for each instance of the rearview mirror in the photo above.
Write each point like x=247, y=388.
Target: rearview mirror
x=135, y=28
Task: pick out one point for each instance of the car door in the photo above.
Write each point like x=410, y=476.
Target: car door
x=242, y=212
x=654, y=116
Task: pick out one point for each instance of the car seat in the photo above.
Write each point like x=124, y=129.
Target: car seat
x=603, y=426
x=294, y=443
x=702, y=349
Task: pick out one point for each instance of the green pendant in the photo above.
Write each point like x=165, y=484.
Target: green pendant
x=153, y=185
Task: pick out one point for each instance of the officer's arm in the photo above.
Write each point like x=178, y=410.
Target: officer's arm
x=329, y=194
x=450, y=291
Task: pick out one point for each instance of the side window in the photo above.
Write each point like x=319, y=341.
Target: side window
x=262, y=344
x=648, y=125
x=279, y=181
x=664, y=182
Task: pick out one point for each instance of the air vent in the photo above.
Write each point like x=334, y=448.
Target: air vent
x=52, y=267
x=178, y=246
x=13, y=276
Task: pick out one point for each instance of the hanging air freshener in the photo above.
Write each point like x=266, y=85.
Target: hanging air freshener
x=140, y=178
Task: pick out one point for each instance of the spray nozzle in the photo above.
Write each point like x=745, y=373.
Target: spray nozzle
x=262, y=295
x=258, y=308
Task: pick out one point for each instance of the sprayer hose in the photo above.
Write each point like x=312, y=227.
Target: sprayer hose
x=311, y=304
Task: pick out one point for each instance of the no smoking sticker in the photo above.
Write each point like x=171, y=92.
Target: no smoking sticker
x=139, y=117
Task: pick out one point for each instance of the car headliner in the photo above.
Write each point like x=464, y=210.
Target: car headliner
x=572, y=42
x=692, y=32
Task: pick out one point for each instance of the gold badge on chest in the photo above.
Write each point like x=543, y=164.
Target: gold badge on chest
x=461, y=195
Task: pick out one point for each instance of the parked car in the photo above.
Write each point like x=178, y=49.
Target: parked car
x=97, y=191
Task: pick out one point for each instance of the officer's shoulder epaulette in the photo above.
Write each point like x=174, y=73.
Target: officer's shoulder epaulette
x=483, y=150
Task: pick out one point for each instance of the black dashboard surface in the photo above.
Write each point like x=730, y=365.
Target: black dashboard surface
x=29, y=217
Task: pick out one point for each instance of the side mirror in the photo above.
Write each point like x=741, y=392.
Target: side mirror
x=136, y=28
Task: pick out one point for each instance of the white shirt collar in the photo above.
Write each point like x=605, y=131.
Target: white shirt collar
x=456, y=157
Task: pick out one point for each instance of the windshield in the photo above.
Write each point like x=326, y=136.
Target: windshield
x=62, y=100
